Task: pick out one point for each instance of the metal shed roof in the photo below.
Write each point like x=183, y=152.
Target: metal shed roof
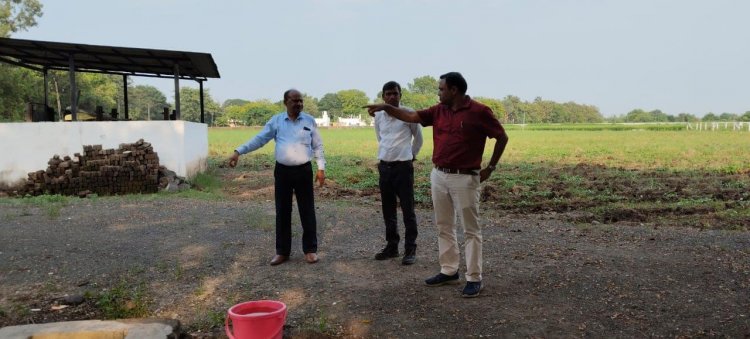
x=40, y=55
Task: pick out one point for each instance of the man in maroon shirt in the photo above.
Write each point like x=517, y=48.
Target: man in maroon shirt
x=461, y=127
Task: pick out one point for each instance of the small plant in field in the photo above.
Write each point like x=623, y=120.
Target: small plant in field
x=17, y=311
x=731, y=169
x=207, y=319
x=162, y=266
x=53, y=211
x=137, y=269
x=123, y=301
x=178, y=272
x=323, y=325
x=50, y=287
x=320, y=324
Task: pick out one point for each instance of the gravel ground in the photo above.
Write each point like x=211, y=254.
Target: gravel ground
x=543, y=276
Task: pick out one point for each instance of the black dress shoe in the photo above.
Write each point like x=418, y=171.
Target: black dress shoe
x=278, y=259
x=410, y=256
x=442, y=279
x=386, y=253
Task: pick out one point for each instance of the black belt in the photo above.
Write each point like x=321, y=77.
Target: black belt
x=392, y=163
x=456, y=170
x=294, y=166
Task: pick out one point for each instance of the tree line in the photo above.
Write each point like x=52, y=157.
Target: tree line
x=418, y=94
x=639, y=115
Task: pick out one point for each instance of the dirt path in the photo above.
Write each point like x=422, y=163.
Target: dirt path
x=544, y=277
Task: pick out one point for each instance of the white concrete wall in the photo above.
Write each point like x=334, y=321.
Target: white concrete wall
x=26, y=147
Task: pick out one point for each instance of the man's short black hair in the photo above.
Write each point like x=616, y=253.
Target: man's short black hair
x=455, y=79
x=391, y=85
x=286, y=94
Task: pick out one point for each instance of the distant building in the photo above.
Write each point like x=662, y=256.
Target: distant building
x=352, y=122
x=325, y=121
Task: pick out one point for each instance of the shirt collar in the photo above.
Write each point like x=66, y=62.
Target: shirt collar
x=286, y=116
x=466, y=105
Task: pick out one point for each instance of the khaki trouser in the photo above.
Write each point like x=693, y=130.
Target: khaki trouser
x=457, y=196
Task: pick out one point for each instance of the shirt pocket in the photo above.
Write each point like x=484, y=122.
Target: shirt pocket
x=304, y=135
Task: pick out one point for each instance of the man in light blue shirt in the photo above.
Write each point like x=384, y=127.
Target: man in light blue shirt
x=297, y=142
x=398, y=145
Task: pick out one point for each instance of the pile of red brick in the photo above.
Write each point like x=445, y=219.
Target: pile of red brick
x=132, y=168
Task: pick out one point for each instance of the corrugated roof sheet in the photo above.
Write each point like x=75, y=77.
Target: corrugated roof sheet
x=107, y=59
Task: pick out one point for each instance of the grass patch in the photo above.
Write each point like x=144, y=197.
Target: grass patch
x=15, y=311
x=207, y=182
x=51, y=205
x=53, y=211
x=204, y=186
x=318, y=324
x=179, y=272
x=123, y=301
x=207, y=319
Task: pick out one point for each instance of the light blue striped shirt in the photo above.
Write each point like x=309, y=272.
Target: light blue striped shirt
x=296, y=141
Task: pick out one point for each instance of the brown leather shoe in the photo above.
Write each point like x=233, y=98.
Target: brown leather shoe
x=311, y=258
x=278, y=259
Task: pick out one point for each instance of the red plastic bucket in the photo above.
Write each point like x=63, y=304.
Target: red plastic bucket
x=260, y=319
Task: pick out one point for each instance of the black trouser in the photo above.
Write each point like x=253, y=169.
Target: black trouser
x=397, y=180
x=297, y=180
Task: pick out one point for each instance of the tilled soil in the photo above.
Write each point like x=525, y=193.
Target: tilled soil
x=544, y=276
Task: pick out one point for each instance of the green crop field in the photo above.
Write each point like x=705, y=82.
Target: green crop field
x=612, y=172
x=636, y=148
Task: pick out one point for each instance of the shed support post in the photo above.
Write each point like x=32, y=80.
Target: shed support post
x=125, y=95
x=177, y=91
x=200, y=85
x=73, y=89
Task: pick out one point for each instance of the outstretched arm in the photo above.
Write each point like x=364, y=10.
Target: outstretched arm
x=396, y=112
x=266, y=134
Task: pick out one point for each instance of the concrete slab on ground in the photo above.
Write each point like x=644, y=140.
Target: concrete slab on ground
x=96, y=329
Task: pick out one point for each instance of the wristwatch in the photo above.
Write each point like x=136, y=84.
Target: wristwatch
x=491, y=167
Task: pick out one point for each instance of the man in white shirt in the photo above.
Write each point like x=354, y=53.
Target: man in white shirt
x=398, y=145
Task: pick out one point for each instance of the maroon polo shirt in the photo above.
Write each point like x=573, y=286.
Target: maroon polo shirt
x=459, y=136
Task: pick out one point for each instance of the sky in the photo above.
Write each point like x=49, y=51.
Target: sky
x=679, y=56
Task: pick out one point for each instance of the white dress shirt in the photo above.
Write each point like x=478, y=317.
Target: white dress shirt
x=397, y=140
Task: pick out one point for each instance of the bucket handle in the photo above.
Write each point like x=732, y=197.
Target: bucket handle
x=226, y=327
